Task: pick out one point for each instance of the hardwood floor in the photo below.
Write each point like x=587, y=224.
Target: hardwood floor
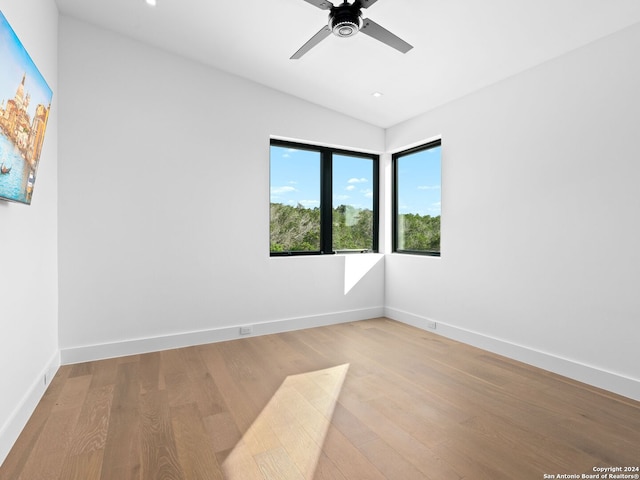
x=366, y=400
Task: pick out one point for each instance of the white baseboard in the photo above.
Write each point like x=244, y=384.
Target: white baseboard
x=590, y=375
x=10, y=431
x=186, y=339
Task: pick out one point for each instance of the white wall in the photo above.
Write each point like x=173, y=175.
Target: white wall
x=540, y=228
x=28, y=242
x=164, y=203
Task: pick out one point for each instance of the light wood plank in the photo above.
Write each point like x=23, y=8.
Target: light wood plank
x=195, y=452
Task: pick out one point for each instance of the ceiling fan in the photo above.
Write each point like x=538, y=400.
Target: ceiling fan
x=346, y=20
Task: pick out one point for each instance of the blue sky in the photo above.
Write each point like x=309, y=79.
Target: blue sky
x=295, y=178
x=419, y=182
x=15, y=63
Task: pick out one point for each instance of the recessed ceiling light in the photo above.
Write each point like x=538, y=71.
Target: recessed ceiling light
x=151, y=2
x=376, y=94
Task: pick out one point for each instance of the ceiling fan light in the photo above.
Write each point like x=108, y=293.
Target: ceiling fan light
x=345, y=29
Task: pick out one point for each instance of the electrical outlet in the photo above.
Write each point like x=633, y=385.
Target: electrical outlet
x=246, y=330
x=48, y=375
x=431, y=324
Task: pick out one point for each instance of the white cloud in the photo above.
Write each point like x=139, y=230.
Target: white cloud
x=357, y=180
x=310, y=203
x=429, y=187
x=350, y=188
x=341, y=197
x=288, y=151
x=281, y=190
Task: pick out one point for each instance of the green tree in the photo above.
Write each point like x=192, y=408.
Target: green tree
x=298, y=228
x=352, y=228
x=417, y=232
x=294, y=228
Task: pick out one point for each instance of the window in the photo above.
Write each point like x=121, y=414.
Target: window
x=323, y=200
x=416, y=200
x=354, y=181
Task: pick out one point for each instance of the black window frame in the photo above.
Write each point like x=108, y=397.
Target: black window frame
x=326, y=197
x=395, y=206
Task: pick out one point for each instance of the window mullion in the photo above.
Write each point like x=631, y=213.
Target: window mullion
x=394, y=205
x=376, y=203
x=326, y=202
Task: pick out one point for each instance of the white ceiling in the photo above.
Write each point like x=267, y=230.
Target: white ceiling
x=459, y=45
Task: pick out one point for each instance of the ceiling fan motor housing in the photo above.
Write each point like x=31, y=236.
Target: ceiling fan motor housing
x=345, y=20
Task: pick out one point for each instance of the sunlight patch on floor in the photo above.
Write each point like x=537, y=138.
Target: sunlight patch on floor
x=286, y=439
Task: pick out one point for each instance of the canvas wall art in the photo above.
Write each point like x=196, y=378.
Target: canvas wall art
x=25, y=102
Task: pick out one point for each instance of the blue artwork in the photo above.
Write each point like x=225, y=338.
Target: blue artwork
x=25, y=102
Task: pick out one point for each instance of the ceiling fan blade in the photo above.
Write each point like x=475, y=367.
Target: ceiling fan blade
x=374, y=30
x=322, y=4
x=367, y=3
x=312, y=42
